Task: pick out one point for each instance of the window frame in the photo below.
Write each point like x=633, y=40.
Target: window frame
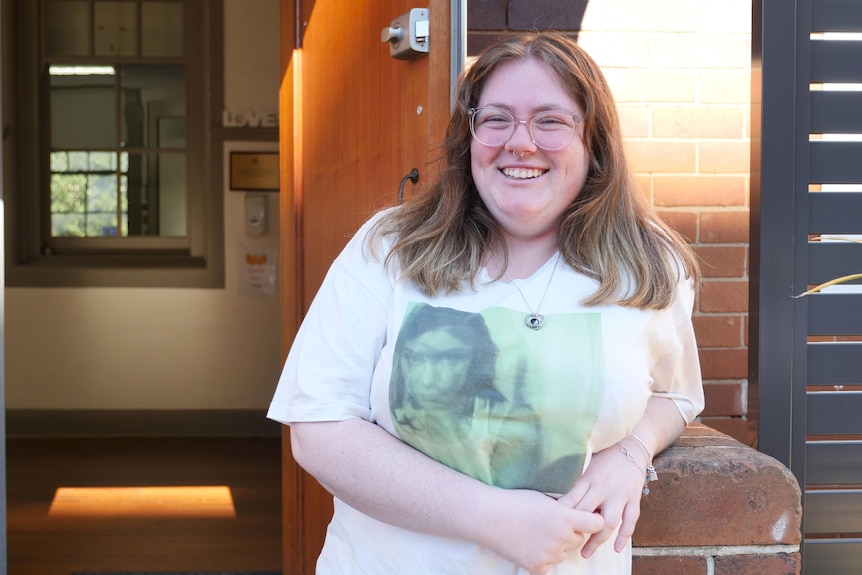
x=144, y=261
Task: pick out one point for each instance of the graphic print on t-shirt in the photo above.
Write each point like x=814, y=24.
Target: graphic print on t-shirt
x=485, y=395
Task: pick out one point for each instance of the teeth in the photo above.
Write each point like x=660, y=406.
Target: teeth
x=521, y=173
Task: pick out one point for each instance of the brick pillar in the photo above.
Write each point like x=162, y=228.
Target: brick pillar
x=719, y=507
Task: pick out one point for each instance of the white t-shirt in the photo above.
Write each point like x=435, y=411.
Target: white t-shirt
x=463, y=379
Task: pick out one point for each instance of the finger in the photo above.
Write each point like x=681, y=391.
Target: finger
x=588, y=522
x=574, y=496
x=611, y=515
x=627, y=526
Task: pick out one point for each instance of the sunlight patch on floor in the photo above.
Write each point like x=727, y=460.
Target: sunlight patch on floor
x=213, y=501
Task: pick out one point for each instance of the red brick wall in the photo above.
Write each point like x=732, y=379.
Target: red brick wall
x=680, y=72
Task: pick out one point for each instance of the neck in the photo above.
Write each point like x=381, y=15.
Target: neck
x=525, y=257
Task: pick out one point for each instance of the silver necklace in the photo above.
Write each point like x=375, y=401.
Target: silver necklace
x=535, y=320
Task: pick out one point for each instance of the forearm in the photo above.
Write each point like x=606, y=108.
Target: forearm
x=377, y=474
x=659, y=427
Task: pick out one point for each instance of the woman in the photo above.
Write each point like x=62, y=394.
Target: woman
x=534, y=224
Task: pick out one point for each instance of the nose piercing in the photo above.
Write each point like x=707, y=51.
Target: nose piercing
x=517, y=155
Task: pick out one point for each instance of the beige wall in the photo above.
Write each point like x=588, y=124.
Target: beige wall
x=128, y=348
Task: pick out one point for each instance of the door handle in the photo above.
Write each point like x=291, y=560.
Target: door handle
x=407, y=35
x=413, y=176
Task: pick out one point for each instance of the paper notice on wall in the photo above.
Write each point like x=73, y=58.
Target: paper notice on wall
x=257, y=267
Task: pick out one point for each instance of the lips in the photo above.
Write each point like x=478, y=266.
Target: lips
x=522, y=173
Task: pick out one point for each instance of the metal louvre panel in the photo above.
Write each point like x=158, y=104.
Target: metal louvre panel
x=835, y=212
x=836, y=112
x=833, y=462
x=837, y=61
x=835, y=314
x=836, y=15
x=835, y=413
x=833, y=511
x=832, y=557
x=835, y=162
x=836, y=364
x=829, y=260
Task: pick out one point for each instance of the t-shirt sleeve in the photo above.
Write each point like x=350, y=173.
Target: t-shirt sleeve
x=328, y=371
x=676, y=375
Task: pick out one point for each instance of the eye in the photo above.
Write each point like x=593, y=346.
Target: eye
x=494, y=118
x=553, y=121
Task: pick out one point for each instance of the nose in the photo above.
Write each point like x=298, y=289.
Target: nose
x=521, y=140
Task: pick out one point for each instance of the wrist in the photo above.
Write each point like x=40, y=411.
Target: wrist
x=638, y=454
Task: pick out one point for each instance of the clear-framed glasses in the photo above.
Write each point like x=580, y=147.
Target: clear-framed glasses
x=550, y=130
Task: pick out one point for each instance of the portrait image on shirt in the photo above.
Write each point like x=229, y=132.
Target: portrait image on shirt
x=483, y=394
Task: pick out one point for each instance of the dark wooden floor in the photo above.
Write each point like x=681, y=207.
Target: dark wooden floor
x=43, y=545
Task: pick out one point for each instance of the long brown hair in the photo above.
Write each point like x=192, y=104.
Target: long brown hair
x=444, y=234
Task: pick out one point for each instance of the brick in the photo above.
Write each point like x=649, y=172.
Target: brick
x=668, y=565
x=724, y=227
x=683, y=222
x=478, y=42
x=546, y=14
x=673, y=15
x=724, y=157
x=739, y=428
x=718, y=330
x=651, y=85
x=723, y=363
x=486, y=14
x=762, y=564
x=635, y=121
x=726, y=399
x=723, y=87
x=701, y=191
x=713, y=490
x=616, y=49
x=697, y=122
x=724, y=296
x=701, y=51
x=650, y=157
x=722, y=261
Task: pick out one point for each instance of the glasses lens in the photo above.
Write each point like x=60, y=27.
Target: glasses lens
x=552, y=130
x=492, y=126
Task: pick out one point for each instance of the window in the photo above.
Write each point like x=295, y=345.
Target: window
x=114, y=178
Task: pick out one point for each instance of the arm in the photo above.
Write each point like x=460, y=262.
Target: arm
x=612, y=484
x=377, y=474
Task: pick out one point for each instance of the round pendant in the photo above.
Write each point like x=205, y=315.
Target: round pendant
x=534, y=321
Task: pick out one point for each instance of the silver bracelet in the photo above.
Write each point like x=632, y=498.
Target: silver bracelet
x=650, y=474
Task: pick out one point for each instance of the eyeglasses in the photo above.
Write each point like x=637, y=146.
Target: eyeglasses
x=551, y=130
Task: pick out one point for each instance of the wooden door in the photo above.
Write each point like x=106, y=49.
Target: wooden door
x=354, y=122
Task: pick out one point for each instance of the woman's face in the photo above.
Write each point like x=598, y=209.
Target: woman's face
x=435, y=367
x=528, y=195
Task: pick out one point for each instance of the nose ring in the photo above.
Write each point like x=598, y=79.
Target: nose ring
x=517, y=155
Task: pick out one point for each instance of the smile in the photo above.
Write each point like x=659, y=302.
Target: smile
x=522, y=173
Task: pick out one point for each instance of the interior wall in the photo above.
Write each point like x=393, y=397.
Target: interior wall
x=159, y=348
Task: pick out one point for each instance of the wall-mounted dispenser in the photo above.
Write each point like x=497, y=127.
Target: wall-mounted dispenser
x=255, y=214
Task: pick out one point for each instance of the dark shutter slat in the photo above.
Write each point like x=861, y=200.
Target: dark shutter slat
x=836, y=16
x=833, y=462
x=834, y=314
x=835, y=212
x=830, y=260
x=836, y=61
x=834, y=413
x=836, y=162
x=833, y=511
x=836, y=112
x=832, y=557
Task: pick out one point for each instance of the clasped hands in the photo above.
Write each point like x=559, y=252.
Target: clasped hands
x=537, y=532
